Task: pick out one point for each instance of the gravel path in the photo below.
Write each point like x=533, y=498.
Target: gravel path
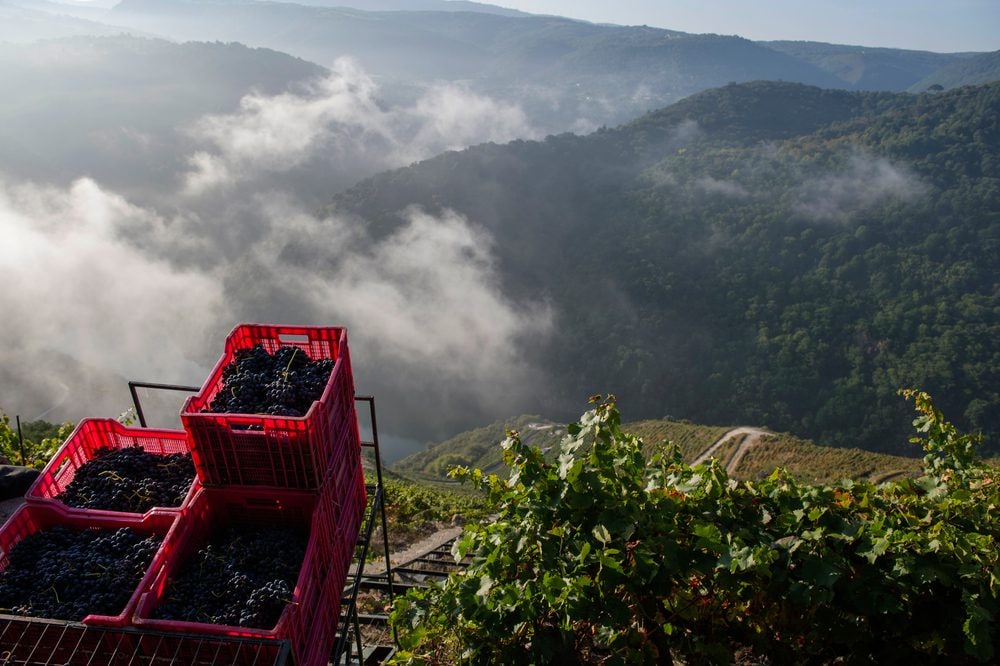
x=429, y=543
x=752, y=438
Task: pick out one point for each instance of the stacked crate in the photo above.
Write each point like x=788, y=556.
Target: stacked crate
x=251, y=470
x=276, y=451
x=266, y=469
x=43, y=510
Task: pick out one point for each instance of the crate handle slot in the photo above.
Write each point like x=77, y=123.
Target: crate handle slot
x=263, y=502
x=250, y=427
x=293, y=339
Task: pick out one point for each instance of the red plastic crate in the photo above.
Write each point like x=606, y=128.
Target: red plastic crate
x=35, y=641
x=30, y=641
x=325, y=630
x=345, y=467
x=158, y=649
x=264, y=450
x=82, y=445
x=343, y=499
x=314, y=598
x=31, y=518
x=348, y=512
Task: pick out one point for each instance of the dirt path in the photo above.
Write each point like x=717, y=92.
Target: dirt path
x=439, y=538
x=752, y=437
x=890, y=476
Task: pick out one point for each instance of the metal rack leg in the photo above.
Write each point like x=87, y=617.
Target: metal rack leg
x=343, y=646
x=385, y=522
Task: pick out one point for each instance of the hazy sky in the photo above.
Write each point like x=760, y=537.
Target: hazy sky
x=931, y=25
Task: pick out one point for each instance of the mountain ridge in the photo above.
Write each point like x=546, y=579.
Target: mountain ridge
x=983, y=68
x=566, y=74
x=787, y=212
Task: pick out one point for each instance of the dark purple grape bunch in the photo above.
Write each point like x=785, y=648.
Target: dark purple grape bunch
x=285, y=383
x=130, y=479
x=63, y=574
x=244, y=577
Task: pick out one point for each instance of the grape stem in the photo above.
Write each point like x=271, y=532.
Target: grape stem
x=284, y=375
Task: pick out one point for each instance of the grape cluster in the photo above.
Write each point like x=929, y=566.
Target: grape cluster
x=130, y=479
x=285, y=383
x=64, y=574
x=244, y=577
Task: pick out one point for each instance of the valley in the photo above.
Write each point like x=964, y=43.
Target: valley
x=765, y=242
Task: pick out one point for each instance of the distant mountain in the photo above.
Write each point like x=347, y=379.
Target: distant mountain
x=383, y=42
x=115, y=108
x=870, y=68
x=567, y=74
x=86, y=10
x=417, y=5
x=23, y=24
x=764, y=253
x=982, y=68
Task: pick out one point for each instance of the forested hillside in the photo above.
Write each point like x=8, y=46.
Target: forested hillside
x=565, y=74
x=118, y=108
x=764, y=253
x=21, y=23
x=983, y=68
x=867, y=68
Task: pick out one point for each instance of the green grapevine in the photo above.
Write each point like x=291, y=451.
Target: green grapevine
x=605, y=556
x=37, y=450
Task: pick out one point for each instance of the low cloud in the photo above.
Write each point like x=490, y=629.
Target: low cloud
x=105, y=286
x=430, y=292
x=76, y=287
x=339, y=119
x=726, y=188
x=583, y=126
x=145, y=285
x=90, y=282
x=426, y=300
x=684, y=133
x=449, y=117
x=864, y=182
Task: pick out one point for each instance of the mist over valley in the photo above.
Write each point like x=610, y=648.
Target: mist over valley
x=509, y=212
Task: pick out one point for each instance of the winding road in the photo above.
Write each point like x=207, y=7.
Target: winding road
x=751, y=438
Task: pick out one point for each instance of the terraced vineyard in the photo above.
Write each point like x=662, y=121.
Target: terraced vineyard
x=477, y=448
x=744, y=456
x=690, y=437
x=811, y=463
